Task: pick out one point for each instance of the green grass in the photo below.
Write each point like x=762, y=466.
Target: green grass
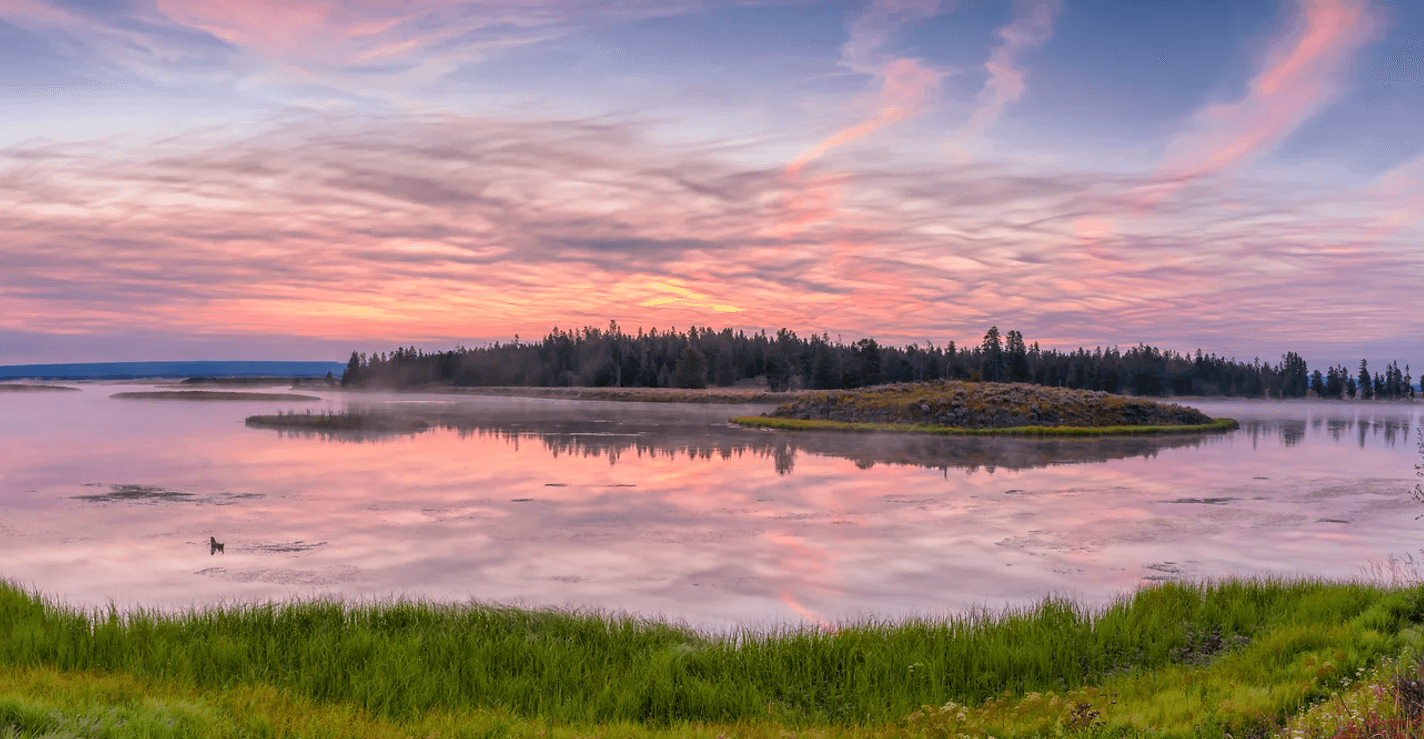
x=796, y=424
x=1175, y=657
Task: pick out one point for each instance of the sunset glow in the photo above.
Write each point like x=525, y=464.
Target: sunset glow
x=297, y=180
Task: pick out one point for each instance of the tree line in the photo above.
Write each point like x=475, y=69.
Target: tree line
x=1337, y=382
x=702, y=357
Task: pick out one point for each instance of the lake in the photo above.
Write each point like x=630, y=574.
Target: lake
x=668, y=511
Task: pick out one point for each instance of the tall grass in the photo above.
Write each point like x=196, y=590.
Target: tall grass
x=399, y=659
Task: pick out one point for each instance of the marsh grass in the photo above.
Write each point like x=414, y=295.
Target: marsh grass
x=796, y=424
x=1174, y=654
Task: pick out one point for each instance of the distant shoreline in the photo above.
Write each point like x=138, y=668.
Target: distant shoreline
x=209, y=395
x=756, y=395
x=16, y=387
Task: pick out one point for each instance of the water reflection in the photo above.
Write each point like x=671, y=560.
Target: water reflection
x=612, y=433
x=666, y=510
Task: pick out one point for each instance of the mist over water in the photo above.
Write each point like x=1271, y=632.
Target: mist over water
x=667, y=510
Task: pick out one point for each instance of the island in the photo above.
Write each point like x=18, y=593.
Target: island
x=20, y=387
x=958, y=407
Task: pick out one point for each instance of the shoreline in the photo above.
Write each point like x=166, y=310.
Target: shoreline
x=796, y=424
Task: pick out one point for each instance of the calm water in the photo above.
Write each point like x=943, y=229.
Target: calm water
x=666, y=510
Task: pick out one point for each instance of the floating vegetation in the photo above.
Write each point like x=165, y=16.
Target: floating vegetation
x=133, y=493
x=337, y=421
x=129, y=493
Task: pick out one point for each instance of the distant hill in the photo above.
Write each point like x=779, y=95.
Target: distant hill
x=132, y=370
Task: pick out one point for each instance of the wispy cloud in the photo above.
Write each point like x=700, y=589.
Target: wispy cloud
x=904, y=82
x=1032, y=26
x=904, y=85
x=1301, y=75
x=133, y=42
x=368, y=49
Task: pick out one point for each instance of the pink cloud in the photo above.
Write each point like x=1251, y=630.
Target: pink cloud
x=871, y=31
x=904, y=85
x=1301, y=76
x=440, y=229
x=1032, y=26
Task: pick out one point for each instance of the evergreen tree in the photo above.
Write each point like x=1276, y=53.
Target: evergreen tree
x=1366, y=384
x=778, y=372
x=1016, y=363
x=866, y=366
x=691, y=369
x=352, y=375
x=991, y=366
x=1294, y=377
x=825, y=371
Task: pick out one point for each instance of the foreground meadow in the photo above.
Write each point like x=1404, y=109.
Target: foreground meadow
x=1249, y=658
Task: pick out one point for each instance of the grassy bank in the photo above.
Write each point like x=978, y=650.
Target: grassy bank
x=797, y=424
x=1175, y=657
x=208, y=395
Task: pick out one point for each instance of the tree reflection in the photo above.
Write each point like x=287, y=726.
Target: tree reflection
x=587, y=435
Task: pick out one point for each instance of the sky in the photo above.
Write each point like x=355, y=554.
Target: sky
x=298, y=179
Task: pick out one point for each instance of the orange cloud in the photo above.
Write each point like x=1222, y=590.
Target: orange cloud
x=1299, y=78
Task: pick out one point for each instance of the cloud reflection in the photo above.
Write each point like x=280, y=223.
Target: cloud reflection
x=687, y=529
